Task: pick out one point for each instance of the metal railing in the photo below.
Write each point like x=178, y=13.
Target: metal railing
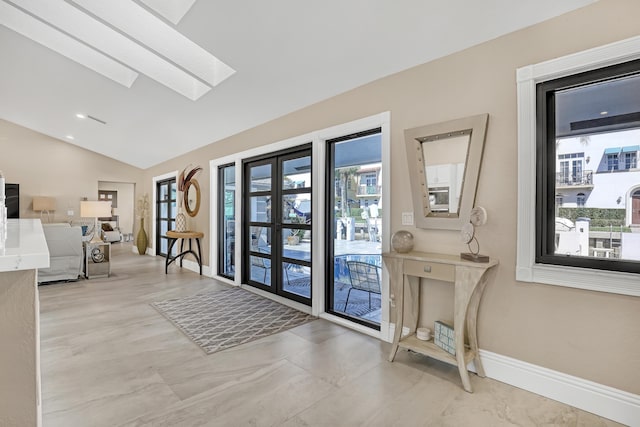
x=585, y=178
x=364, y=190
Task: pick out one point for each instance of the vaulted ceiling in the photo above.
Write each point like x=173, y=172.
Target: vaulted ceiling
x=152, y=79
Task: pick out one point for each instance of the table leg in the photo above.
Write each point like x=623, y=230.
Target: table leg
x=397, y=280
x=472, y=324
x=181, y=251
x=465, y=284
x=168, y=259
x=199, y=255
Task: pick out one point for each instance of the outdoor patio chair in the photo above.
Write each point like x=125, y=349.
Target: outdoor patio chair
x=265, y=263
x=364, y=277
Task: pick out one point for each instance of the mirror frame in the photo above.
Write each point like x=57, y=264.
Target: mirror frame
x=424, y=218
x=191, y=212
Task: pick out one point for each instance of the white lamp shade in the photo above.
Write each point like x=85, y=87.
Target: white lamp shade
x=41, y=203
x=93, y=209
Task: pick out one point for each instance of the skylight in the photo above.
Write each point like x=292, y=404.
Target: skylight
x=170, y=59
x=40, y=32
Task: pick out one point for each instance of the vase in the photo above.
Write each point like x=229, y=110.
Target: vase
x=402, y=241
x=141, y=239
x=181, y=221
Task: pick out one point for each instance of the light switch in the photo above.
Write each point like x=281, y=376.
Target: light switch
x=407, y=218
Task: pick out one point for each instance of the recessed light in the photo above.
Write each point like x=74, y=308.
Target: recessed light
x=81, y=116
x=604, y=113
x=70, y=137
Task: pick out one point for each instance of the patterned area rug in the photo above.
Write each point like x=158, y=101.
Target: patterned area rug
x=222, y=319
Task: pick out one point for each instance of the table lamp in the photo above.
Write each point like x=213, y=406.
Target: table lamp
x=95, y=210
x=44, y=204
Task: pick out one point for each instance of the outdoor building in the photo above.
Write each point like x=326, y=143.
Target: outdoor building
x=598, y=187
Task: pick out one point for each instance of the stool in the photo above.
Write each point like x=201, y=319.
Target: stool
x=173, y=236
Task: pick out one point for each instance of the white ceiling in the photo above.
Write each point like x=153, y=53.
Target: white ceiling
x=286, y=54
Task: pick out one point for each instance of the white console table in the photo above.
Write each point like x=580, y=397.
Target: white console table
x=22, y=253
x=469, y=279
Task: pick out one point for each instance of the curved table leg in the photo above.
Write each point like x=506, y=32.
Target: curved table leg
x=199, y=254
x=168, y=260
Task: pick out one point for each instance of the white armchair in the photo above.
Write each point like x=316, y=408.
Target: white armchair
x=110, y=233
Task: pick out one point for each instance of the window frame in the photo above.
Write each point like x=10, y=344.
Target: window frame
x=528, y=268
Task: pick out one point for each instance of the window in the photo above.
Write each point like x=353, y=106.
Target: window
x=370, y=180
x=630, y=160
x=588, y=102
x=226, y=220
x=564, y=123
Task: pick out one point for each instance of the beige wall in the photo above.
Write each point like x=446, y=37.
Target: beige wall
x=45, y=166
x=587, y=334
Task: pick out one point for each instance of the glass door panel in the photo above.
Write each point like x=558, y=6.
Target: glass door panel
x=261, y=178
x=165, y=214
x=297, y=279
x=354, y=191
x=227, y=220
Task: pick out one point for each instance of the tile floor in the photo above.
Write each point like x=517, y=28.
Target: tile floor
x=109, y=359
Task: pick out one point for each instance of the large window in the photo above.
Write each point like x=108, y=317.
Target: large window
x=573, y=236
x=226, y=220
x=579, y=117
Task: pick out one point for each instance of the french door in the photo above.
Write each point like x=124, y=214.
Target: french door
x=165, y=213
x=277, y=223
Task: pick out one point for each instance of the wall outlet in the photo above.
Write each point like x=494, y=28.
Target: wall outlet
x=407, y=218
x=69, y=213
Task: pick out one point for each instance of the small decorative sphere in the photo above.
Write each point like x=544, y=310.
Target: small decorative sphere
x=402, y=241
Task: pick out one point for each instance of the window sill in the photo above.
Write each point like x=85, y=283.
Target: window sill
x=581, y=278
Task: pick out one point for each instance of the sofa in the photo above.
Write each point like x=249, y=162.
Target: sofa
x=65, y=253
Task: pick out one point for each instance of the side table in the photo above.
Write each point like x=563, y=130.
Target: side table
x=97, y=259
x=173, y=236
x=469, y=280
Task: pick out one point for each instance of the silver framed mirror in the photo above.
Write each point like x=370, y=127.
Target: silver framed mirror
x=444, y=162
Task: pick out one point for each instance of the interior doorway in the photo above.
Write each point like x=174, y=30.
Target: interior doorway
x=277, y=237
x=122, y=219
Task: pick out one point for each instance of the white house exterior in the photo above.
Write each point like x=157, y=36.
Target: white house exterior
x=600, y=171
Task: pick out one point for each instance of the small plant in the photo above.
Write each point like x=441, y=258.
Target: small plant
x=296, y=234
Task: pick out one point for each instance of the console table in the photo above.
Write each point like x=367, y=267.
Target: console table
x=469, y=280
x=173, y=236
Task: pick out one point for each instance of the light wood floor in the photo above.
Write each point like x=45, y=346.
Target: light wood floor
x=110, y=359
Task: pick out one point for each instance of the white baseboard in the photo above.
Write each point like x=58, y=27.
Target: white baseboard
x=193, y=266
x=607, y=402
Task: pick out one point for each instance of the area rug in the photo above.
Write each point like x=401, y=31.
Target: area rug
x=226, y=318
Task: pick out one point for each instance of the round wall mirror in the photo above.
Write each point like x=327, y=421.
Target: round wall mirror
x=192, y=197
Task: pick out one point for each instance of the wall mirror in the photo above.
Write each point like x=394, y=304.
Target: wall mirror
x=444, y=165
x=192, y=197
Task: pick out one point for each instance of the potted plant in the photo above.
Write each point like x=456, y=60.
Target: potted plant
x=296, y=234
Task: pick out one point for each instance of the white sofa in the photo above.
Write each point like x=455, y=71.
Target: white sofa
x=65, y=253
